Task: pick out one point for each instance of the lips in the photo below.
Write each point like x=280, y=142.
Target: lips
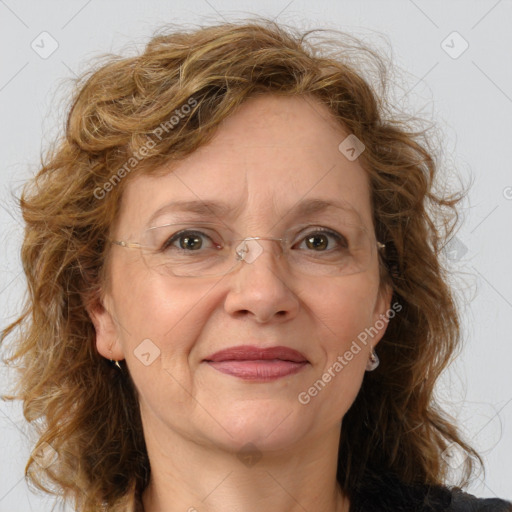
x=253, y=353
x=258, y=364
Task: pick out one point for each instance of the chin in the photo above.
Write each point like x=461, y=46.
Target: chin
x=268, y=429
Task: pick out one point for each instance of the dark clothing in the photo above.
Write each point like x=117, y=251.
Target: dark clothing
x=388, y=494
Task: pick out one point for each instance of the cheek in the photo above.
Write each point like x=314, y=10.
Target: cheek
x=343, y=315
x=160, y=324
x=345, y=309
x=149, y=307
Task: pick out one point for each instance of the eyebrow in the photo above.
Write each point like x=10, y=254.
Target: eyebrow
x=222, y=210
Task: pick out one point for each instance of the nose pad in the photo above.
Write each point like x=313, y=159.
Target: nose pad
x=249, y=249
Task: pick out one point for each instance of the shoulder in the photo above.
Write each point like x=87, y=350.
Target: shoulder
x=388, y=494
x=462, y=502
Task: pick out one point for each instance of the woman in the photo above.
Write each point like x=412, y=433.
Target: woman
x=230, y=236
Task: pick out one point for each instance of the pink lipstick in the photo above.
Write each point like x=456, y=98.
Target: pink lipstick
x=259, y=364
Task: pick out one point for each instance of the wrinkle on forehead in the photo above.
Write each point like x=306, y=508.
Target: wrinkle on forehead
x=269, y=155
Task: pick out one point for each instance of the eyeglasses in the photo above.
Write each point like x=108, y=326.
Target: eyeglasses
x=205, y=250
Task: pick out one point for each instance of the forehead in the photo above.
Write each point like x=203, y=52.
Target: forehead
x=266, y=159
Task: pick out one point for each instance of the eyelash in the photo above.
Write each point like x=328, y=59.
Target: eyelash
x=340, y=239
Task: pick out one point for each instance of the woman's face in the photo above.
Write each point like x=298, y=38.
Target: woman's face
x=267, y=159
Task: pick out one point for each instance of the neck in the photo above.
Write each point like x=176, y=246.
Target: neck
x=195, y=477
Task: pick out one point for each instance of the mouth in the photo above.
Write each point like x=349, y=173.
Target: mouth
x=258, y=364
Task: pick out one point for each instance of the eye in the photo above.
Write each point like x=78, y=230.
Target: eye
x=320, y=240
x=189, y=241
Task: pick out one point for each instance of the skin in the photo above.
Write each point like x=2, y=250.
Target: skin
x=273, y=152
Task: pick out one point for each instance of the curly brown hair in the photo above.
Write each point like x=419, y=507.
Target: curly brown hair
x=85, y=409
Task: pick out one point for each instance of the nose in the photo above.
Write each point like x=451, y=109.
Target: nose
x=259, y=286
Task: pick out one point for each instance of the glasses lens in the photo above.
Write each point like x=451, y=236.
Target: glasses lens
x=185, y=250
x=201, y=251
x=344, y=251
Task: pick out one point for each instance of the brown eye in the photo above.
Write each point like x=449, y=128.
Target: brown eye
x=193, y=242
x=188, y=241
x=319, y=241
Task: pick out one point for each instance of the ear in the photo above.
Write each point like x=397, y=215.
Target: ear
x=107, y=339
x=381, y=312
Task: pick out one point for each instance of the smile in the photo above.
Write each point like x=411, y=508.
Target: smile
x=258, y=370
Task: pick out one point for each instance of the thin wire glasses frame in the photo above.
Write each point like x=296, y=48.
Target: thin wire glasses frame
x=247, y=250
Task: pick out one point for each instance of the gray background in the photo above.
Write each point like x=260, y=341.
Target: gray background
x=469, y=95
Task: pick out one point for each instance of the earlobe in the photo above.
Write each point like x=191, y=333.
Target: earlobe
x=381, y=312
x=387, y=295
x=106, y=331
